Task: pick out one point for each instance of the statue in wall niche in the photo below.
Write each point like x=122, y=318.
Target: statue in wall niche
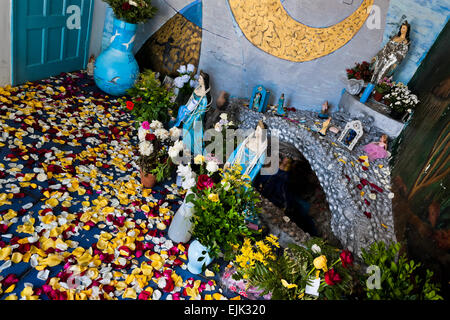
x=378, y=149
x=388, y=58
x=192, y=114
x=251, y=153
x=256, y=101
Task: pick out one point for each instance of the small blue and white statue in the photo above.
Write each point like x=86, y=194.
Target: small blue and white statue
x=280, y=110
x=192, y=114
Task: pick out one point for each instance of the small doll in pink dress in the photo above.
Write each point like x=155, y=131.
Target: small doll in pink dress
x=377, y=150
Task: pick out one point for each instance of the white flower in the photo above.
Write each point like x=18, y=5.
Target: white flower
x=315, y=248
x=175, y=133
x=173, y=152
x=162, y=134
x=212, y=166
x=224, y=116
x=141, y=133
x=178, y=82
x=185, y=78
x=155, y=124
x=131, y=2
x=190, y=68
x=226, y=185
x=181, y=69
x=145, y=148
x=184, y=170
x=218, y=127
x=188, y=183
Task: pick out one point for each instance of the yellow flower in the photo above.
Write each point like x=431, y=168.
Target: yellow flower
x=288, y=285
x=214, y=197
x=321, y=263
x=199, y=159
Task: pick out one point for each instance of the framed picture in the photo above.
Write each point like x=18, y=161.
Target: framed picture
x=259, y=99
x=352, y=132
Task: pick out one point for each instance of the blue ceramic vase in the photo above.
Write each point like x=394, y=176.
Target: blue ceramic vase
x=116, y=69
x=198, y=256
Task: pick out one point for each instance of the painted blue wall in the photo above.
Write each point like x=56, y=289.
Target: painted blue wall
x=236, y=66
x=427, y=19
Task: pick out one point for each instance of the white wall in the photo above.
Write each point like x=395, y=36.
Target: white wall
x=5, y=38
x=98, y=20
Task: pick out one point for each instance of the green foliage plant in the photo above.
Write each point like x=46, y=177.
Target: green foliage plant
x=132, y=11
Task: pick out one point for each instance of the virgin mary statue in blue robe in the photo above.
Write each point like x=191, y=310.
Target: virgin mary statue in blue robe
x=192, y=114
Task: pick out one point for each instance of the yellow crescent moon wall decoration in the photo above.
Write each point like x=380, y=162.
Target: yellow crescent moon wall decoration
x=267, y=25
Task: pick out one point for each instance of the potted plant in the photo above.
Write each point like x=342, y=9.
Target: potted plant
x=180, y=229
x=382, y=88
x=149, y=100
x=220, y=210
x=312, y=271
x=154, y=161
x=116, y=69
x=400, y=100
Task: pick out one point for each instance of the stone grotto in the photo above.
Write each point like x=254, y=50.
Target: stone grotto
x=224, y=150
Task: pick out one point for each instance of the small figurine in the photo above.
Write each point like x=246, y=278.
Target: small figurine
x=325, y=126
x=256, y=101
x=377, y=150
x=324, y=113
x=90, y=66
x=280, y=110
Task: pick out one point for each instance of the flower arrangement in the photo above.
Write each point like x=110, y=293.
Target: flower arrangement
x=291, y=275
x=201, y=166
x=384, y=86
x=154, y=144
x=185, y=83
x=360, y=71
x=132, y=11
x=400, y=99
x=219, y=210
x=149, y=100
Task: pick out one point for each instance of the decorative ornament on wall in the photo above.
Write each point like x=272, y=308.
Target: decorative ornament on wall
x=267, y=25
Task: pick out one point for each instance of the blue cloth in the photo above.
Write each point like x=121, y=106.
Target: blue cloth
x=247, y=158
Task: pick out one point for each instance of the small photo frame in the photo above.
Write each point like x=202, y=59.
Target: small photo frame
x=352, y=132
x=259, y=99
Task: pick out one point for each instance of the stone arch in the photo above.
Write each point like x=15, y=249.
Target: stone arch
x=348, y=221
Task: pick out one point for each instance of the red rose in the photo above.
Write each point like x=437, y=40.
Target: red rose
x=204, y=182
x=346, y=258
x=150, y=137
x=332, y=277
x=130, y=105
x=126, y=6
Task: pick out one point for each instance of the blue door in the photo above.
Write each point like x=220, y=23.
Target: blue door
x=49, y=37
